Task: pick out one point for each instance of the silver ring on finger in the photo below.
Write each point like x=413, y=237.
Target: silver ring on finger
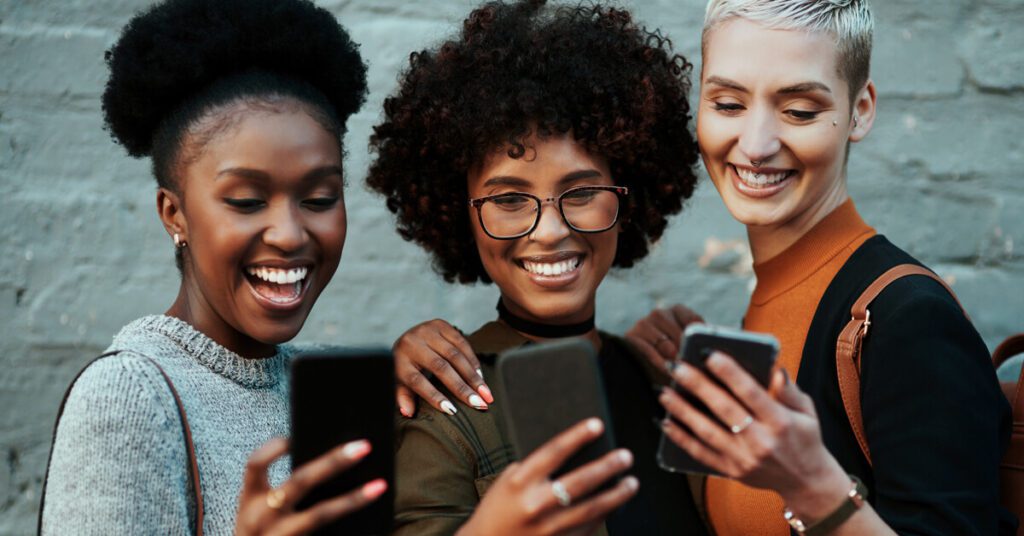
x=743, y=425
x=561, y=494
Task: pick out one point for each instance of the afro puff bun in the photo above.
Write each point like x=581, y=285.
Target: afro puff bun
x=518, y=69
x=171, y=52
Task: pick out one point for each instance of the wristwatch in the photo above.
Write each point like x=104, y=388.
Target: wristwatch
x=851, y=503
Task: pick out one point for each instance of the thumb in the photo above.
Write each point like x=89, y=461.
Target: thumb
x=788, y=394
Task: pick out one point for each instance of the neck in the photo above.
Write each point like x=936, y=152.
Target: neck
x=767, y=241
x=191, y=306
x=542, y=331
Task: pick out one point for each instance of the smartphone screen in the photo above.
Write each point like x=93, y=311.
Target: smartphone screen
x=755, y=352
x=547, y=388
x=338, y=396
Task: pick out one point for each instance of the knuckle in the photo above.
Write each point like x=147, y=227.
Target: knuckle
x=437, y=364
x=452, y=353
x=413, y=377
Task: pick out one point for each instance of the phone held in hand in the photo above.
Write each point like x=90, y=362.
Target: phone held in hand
x=340, y=395
x=755, y=352
x=545, y=389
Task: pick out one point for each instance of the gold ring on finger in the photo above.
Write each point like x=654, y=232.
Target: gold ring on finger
x=739, y=428
x=561, y=494
x=275, y=498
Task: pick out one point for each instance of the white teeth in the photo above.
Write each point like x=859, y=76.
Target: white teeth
x=278, y=276
x=551, y=268
x=760, y=180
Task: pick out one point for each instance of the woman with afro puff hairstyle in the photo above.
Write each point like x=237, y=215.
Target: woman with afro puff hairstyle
x=241, y=106
x=535, y=150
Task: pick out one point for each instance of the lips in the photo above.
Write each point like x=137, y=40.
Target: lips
x=553, y=271
x=760, y=182
x=278, y=288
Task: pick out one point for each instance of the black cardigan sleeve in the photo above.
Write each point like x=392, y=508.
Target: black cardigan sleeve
x=936, y=422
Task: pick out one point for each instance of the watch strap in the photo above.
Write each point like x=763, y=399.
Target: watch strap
x=851, y=503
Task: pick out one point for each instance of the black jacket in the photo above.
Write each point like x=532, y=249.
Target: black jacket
x=936, y=421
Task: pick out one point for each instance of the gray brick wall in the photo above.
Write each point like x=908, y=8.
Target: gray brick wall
x=83, y=252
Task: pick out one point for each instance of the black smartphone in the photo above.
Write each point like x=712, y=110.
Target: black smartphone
x=755, y=352
x=545, y=389
x=340, y=395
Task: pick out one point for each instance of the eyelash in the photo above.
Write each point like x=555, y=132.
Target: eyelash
x=247, y=205
x=800, y=115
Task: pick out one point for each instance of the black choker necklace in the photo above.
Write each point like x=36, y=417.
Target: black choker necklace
x=544, y=331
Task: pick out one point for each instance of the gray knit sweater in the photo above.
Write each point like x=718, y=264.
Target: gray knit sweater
x=119, y=462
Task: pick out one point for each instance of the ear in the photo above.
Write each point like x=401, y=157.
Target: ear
x=864, y=108
x=169, y=207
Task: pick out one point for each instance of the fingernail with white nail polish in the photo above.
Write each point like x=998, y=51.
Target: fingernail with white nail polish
x=480, y=372
x=477, y=402
x=595, y=425
x=448, y=407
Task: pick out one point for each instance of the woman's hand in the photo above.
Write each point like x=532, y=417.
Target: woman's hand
x=658, y=334
x=435, y=347
x=772, y=442
x=271, y=511
x=525, y=501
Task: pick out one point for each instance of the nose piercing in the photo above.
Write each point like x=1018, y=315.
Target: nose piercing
x=835, y=122
x=756, y=163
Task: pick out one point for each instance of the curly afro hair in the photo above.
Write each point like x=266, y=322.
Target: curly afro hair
x=180, y=59
x=523, y=68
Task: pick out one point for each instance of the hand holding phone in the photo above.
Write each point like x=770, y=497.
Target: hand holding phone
x=754, y=352
x=547, y=388
x=339, y=396
x=524, y=501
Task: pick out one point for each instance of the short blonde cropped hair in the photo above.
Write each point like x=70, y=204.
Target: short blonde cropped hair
x=849, y=21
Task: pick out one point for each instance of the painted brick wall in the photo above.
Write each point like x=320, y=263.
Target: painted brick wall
x=83, y=253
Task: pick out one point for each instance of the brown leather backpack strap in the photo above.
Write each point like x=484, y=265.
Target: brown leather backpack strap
x=1010, y=347
x=197, y=488
x=190, y=447
x=851, y=339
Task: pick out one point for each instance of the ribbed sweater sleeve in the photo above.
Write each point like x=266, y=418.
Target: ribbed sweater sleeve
x=119, y=461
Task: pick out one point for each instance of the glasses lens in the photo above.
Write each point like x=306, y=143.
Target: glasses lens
x=590, y=209
x=508, y=215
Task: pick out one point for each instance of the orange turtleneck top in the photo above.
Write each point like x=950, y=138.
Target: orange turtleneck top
x=789, y=287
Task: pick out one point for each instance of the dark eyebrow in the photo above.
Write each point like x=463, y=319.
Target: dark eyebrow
x=508, y=180
x=725, y=82
x=262, y=176
x=804, y=87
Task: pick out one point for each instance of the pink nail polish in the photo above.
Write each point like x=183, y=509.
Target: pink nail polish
x=356, y=449
x=486, y=393
x=375, y=488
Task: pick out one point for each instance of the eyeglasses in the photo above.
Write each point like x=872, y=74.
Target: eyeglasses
x=587, y=209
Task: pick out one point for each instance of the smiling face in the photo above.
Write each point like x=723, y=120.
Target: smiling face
x=263, y=214
x=773, y=126
x=550, y=275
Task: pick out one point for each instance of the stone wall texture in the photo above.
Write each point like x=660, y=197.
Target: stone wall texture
x=82, y=252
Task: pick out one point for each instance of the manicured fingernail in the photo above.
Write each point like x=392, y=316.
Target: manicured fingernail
x=480, y=372
x=374, y=488
x=624, y=456
x=448, y=408
x=477, y=402
x=716, y=359
x=486, y=393
x=595, y=425
x=785, y=375
x=681, y=371
x=631, y=483
x=356, y=449
x=405, y=413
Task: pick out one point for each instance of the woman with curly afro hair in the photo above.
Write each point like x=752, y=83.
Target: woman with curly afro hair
x=241, y=106
x=535, y=150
